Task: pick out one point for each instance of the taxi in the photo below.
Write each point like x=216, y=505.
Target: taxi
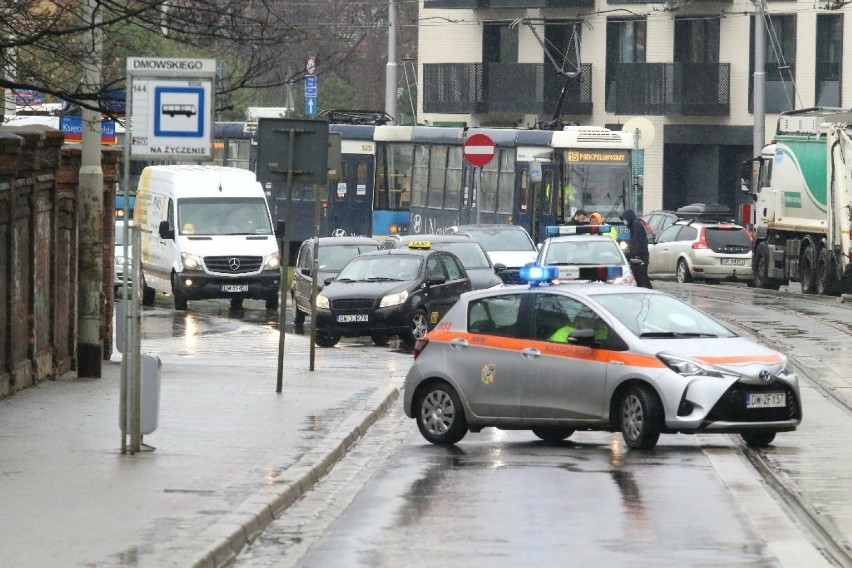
x=402, y=292
x=555, y=359
x=571, y=247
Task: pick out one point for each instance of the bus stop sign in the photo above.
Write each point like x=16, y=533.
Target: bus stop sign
x=479, y=150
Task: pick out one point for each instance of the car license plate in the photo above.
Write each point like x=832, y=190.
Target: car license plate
x=235, y=287
x=346, y=318
x=569, y=272
x=765, y=400
x=736, y=261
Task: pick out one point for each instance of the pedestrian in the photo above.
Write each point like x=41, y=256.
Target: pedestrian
x=579, y=218
x=597, y=219
x=637, y=252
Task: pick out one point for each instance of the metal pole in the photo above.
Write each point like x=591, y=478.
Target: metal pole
x=759, y=103
x=134, y=347
x=125, y=322
x=285, y=263
x=90, y=220
x=390, y=70
x=315, y=271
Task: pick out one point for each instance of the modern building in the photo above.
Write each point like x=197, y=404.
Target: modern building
x=685, y=66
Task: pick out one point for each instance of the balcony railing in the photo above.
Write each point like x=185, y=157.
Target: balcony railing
x=687, y=89
x=473, y=4
x=511, y=88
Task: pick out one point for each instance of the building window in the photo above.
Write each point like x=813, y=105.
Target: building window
x=499, y=43
x=780, y=64
x=696, y=40
x=829, y=59
x=625, y=43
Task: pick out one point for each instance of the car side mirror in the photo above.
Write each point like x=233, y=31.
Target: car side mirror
x=652, y=240
x=436, y=281
x=499, y=267
x=306, y=271
x=165, y=231
x=582, y=336
x=328, y=280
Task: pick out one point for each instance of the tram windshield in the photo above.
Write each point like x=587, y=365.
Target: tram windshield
x=597, y=187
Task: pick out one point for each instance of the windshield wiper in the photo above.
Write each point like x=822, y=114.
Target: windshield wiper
x=672, y=334
x=344, y=280
x=381, y=279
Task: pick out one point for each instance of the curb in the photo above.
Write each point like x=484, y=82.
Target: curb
x=226, y=538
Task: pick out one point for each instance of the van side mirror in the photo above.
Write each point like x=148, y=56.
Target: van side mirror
x=165, y=231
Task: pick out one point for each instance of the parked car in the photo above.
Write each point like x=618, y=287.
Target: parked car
x=482, y=272
x=509, y=245
x=570, y=252
x=633, y=360
x=334, y=254
x=703, y=250
x=658, y=221
x=402, y=292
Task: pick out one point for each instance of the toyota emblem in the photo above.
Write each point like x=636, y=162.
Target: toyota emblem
x=234, y=264
x=764, y=376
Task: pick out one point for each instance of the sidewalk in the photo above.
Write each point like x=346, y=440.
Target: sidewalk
x=230, y=451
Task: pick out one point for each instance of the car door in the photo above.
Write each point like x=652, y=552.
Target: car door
x=660, y=253
x=446, y=282
x=562, y=379
x=485, y=361
x=302, y=279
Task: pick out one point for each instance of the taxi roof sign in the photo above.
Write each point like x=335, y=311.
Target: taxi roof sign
x=559, y=230
x=423, y=245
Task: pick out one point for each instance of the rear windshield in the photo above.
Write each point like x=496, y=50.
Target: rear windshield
x=333, y=258
x=719, y=237
x=470, y=254
x=502, y=240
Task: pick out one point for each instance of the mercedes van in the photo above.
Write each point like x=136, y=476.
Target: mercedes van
x=206, y=232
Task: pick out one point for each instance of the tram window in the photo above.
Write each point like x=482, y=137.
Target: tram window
x=381, y=192
x=421, y=175
x=488, y=187
x=361, y=182
x=547, y=190
x=506, y=185
x=437, y=176
x=454, y=178
x=524, y=190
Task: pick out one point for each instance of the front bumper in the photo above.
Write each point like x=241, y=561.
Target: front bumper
x=393, y=320
x=200, y=285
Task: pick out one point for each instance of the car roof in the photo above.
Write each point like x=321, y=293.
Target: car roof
x=580, y=238
x=405, y=251
x=437, y=238
x=585, y=289
x=323, y=241
x=708, y=223
x=489, y=227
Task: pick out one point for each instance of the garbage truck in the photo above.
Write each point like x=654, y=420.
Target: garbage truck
x=802, y=213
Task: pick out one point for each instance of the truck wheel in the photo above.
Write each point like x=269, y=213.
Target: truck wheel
x=180, y=299
x=807, y=270
x=236, y=303
x=761, y=269
x=827, y=282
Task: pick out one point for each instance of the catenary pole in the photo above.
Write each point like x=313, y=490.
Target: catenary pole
x=759, y=78
x=390, y=70
x=90, y=209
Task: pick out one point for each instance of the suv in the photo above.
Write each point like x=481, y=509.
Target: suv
x=334, y=253
x=509, y=245
x=698, y=249
x=482, y=273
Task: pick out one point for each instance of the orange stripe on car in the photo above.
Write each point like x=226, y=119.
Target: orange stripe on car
x=568, y=350
x=742, y=359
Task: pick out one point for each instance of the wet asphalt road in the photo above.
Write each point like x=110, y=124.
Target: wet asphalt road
x=506, y=498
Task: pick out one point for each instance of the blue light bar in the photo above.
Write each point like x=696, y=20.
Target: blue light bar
x=535, y=274
x=559, y=230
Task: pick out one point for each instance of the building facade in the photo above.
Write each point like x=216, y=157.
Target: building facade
x=687, y=67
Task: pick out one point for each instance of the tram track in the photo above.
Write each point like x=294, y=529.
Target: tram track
x=825, y=535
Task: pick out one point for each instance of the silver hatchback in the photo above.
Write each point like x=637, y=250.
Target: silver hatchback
x=710, y=251
x=556, y=359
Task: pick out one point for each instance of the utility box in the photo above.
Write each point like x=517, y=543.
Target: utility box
x=150, y=399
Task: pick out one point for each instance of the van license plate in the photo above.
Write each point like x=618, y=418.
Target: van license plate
x=736, y=261
x=235, y=287
x=766, y=400
x=354, y=317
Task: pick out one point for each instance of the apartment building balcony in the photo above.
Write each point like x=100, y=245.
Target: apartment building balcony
x=474, y=4
x=684, y=89
x=509, y=88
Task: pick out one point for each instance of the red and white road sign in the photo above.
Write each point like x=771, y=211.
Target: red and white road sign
x=479, y=149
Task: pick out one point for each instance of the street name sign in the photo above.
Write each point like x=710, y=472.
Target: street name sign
x=479, y=150
x=171, y=102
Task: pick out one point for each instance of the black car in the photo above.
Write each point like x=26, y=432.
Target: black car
x=482, y=273
x=402, y=292
x=334, y=253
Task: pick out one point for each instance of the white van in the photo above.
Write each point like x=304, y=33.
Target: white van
x=206, y=232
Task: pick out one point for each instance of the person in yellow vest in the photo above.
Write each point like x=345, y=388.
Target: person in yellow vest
x=597, y=219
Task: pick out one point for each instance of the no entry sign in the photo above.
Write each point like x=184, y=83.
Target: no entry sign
x=479, y=149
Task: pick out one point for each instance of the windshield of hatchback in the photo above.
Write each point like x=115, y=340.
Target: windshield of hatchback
x=502, y=240
x=661, y=316
x=333, y=258
x=381, y=268
x=578, y=252
x=223, y=216
x=470, y=254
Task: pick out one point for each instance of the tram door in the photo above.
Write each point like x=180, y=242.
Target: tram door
x=536, y=201
x=351, y=197
x=469, y=193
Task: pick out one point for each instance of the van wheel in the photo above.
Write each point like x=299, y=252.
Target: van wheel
x=326, y=340
x=148, y=294
x=180, y=299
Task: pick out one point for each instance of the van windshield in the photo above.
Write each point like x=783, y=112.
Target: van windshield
x=223, y=216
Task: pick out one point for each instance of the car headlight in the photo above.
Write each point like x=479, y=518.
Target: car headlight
x=273, y=262
x=190, y=261
x=691, y=367
x=625, y=279
x=322, y=302
x=394, y=299
x=119, y=260
x=623, y=244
